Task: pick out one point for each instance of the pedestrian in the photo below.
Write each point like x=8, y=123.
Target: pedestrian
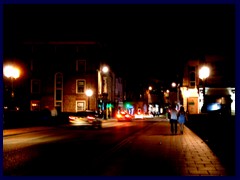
x=182, y=118
x=173, y=119
x=54, y=115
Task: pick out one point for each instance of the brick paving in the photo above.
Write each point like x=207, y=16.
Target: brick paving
x=186, y=154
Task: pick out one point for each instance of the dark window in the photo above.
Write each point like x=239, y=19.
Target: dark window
x=81, y=66
x=59, y=80
x=192, y=76
x=192, y=79
x=58, y=95
x=80, y=86
x=35, y=86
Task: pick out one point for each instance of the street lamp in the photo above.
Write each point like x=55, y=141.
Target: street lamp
x=204, y=74
x=177, y=86
x=105, y=69
x=13, y=73
x=103, y=88
x=89, y=93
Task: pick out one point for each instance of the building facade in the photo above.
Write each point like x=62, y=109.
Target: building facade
x=218, y=87
x=57, y=75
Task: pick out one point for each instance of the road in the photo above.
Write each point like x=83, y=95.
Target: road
x=64, y=150
x=119, y=148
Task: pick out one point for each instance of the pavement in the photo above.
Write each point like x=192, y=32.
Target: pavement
x=185, y=154
x=175, y=155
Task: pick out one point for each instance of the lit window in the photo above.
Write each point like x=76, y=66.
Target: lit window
x=35, y=105
x=80, y=105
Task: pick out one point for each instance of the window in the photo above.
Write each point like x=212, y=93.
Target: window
x=58, y=95
x=35, y=86
x=80, y=105
x=192, y=79
x=59, y=80
x=35, y=105
x=81, y=66
x=58, y=90
x=192, y=76
x=59, y=106
x=80, y=86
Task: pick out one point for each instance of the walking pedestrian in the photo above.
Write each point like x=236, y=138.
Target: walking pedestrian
x=54, y=115
x=173, y=119
x=182, y=118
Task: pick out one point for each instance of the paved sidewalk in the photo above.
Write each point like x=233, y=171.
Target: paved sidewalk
x=181, y=154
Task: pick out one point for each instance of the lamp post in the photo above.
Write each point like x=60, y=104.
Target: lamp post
x=187, y=95
x=178, y=101
x=177, y=86
x=89, y=93
x=103, y=88
x=13, y=73
x=204, y=74
x=149, y=99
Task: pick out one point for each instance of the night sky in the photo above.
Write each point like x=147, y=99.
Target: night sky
x=151, y=39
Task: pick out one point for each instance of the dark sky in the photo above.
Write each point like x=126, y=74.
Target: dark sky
x=154, y=37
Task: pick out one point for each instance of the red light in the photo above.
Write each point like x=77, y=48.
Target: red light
x=90, y=117
x=71, y=117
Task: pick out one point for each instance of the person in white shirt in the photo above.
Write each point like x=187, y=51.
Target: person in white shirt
x=173, y=119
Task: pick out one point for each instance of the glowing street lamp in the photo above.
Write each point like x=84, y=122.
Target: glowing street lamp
x=204, y=73
x=89, y=93
x=174, y=84
x=103, y=74
x=13, y=73
x=105, y=69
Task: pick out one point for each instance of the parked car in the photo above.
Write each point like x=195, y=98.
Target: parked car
x=123, y=116
x=85, y=119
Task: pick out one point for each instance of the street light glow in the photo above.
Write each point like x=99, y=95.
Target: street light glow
x=89, y=92
x=10, y=71
x=13, y=73
x=105, y=69
x=204, y=72
x=174, y=84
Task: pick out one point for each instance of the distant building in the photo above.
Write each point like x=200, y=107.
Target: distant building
x=219, y=86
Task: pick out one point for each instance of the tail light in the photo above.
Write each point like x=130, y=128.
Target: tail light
x=71, y=117
x=90, y=118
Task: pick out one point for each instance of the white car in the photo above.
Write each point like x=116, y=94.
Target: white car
x=85, y=119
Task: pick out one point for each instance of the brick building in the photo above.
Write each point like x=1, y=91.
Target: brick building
x=57, y=74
